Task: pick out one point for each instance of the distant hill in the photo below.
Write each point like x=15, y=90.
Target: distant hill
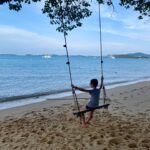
x=131, y=55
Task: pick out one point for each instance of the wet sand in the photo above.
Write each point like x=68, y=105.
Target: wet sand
x=50, y=125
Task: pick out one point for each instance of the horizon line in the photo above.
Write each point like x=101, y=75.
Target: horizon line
x=72, y=55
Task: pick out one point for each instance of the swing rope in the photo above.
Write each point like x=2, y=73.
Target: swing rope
x=70, y=74
x=68, y=63
x=102, y=86
x=100, y=41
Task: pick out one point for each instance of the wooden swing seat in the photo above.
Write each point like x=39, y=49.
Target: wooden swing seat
x=78, y=114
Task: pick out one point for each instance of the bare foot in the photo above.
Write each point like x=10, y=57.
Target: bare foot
x=84, y=125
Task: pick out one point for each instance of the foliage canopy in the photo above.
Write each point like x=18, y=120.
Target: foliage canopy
x=67, y=14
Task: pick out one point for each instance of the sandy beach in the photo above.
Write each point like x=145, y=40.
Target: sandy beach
x=50, y=125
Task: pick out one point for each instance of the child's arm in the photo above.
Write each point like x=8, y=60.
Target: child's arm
x=80, y=89
x=102, y=78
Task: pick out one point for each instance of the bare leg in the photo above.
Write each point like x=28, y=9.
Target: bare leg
x=82, y=120
x=82, y=117
x=90, y=116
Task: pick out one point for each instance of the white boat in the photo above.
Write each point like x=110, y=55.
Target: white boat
x=46, y=56
x=112, y=57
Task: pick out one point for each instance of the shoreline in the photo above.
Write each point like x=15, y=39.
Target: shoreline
x=34, y=100
x=66, y=99
x=51, y=124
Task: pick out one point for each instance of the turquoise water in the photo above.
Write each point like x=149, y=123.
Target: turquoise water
x=33, y=76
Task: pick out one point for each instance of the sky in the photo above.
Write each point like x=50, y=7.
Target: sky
x=30, y=32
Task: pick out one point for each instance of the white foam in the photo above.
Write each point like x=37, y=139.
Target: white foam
x=17, y=103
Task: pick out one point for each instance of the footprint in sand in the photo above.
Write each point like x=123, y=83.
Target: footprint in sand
x=145, y=145
x=9, y=118
x=115, y=141
x=25, y=135
x=50, y=112
x=113, y=134
x=145, y=141
x=66, y=104
x=132, y=145
x=45, y=109
x=125, y=98
x=131, y=96
x=127, y=137
x=100, y=141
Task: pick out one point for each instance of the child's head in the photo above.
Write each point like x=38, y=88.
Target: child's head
x=94, y=83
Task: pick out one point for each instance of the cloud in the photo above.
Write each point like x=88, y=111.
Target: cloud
x=118, y=27
x=134, y=24
x=118, y=23
x=142, y=36
x=132, y=30
x=128, y=17
x=16, y=39
x=20, y=41
x=131, y=21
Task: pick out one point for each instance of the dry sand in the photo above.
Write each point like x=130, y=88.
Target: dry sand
x=50, y=125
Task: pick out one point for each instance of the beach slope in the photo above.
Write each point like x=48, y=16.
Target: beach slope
x=50, y=125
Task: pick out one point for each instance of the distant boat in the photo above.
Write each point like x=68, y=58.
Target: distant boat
x=47, y=56
x=112, y=57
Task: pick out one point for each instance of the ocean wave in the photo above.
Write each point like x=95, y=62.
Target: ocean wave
x=47, y=93
x=33, y=95
x=119, y=82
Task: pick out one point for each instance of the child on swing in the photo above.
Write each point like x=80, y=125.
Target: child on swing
x=93, y=102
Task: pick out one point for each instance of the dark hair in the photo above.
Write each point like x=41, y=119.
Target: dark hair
x=94, y=82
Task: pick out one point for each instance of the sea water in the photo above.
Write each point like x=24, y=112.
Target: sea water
x=33, y=78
